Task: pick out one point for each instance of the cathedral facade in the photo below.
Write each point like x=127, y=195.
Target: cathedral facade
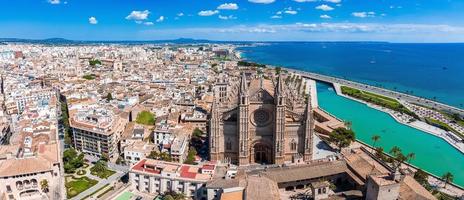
x=259, y=121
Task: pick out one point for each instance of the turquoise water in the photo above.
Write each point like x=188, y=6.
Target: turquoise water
x=432, y=153
x=434, y=71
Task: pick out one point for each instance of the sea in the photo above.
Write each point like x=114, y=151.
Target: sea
x=435, y=71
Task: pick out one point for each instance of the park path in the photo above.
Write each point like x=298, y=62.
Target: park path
x=120, y=171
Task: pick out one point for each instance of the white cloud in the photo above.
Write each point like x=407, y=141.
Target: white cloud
x=54, y=1
x=276, y=17
x=324, y=7
x=93, y=20
x=160, y=19
x=205, y=13
x=317, y=32
x=349, y=28
x=291, y=12
x=325, y=17
x=262, y=1
x=138, y=15
x=227, y=17
x=333, y=1
x=148, y=23
x=228, y=6
x=180, y=14
x=363, y=14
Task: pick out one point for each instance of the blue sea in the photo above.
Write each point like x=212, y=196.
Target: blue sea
x=434, y=71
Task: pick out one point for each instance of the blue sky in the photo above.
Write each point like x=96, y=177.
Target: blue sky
x=270, y=20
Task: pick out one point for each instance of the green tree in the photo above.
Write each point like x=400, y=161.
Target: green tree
x=109, y=97
x=99, y=167
x=278, y=70
x=379, y=153
x=395, y=150
x=410, y=156
x=165, y=156
x=153, y=155
x=421, y=177
x=69, y=154
x=44, y=185
x=197, y=133
x=105, y=157
x=448, y=178
x=95, y=62
x=342, y=137
x=168, y=197
x=375, y=139
x=191, y=156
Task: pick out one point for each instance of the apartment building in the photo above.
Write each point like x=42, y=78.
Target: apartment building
x=157, y=177
x=97, y=130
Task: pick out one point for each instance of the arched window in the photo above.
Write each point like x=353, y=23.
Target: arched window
x=293, y=145
x=228, y=145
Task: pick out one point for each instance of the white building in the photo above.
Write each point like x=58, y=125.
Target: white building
x=158, y=177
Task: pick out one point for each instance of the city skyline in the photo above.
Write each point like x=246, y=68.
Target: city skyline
x=236, y=20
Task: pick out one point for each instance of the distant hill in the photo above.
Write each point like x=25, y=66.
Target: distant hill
x=174, y=41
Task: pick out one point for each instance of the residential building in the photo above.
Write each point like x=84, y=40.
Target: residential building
x=158, y=177
x=97, y=130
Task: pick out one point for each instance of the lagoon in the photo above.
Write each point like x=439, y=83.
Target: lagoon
x=433, y=154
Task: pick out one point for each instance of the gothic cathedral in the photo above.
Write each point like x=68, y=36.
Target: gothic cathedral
x=257, y=120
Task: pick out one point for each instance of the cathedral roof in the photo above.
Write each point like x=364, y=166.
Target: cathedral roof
x=258, y=84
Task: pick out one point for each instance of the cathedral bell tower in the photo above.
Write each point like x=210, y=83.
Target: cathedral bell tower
x=279, y=122
x=309, y=124
x=214, y=132
x=243, y=120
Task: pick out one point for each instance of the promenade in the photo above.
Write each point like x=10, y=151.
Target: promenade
x=381, y=91
x=449, y=137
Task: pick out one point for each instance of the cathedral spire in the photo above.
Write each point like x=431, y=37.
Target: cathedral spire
x=279, y=86
x=279, y=92
x=243, y=99
x=243, y=84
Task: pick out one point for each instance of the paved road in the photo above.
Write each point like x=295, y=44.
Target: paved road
x=382, y=91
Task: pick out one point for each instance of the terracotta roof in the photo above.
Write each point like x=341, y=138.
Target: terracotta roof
x=282, y=175
x=411, y=189
x=261, y=188
x=13, y=167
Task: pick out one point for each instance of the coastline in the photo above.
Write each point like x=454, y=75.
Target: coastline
x=374, y=89
x=415, y=124
x=421, y=126
x=433, y=179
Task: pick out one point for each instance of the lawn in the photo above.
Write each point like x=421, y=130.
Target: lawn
x=105, y=174
x=146, y=118
x=442, y=125
x=89, y=76
x=74, y=186
x=377, y=100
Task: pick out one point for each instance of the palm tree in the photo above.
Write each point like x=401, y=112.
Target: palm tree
x=44, y=185
x=410, y=157
x=395, y=150
x=448, y=178
x=348, y=124
x=375, y=138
